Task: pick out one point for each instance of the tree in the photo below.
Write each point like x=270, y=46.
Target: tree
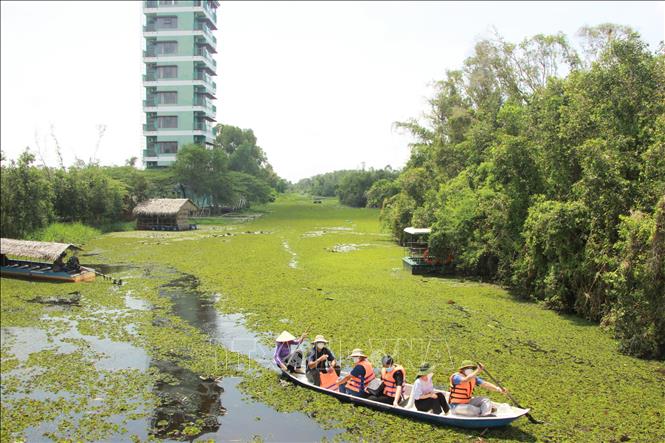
x=26, y=198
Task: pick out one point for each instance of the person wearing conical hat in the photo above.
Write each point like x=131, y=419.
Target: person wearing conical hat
x=424, y=396
x=282, y=356
x=355, y=382
x=462, y=384
x=320, y=359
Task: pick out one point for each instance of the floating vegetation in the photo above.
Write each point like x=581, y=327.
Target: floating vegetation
x=63, y=377
x=347, y=247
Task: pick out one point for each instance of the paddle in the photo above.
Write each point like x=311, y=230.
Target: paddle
x=496, y=382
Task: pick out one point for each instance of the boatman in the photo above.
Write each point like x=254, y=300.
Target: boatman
x=283, y=357
x=462, y=384
x=392, y=376
x=318, y=360
x=355, y=382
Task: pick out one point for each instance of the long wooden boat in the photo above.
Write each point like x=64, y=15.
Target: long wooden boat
x=44, y=271
x=504, y=415
x=36, y=269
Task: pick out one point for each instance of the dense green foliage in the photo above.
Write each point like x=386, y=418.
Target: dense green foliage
x=357, y=188
x=235, y=173
x=542, y=168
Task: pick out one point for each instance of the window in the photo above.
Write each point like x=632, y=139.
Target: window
x=166, y=48
x=166, y=22
x=166, y=2
x=167, y=72
x=167, y=121
x=167, y=147
x=166, y=98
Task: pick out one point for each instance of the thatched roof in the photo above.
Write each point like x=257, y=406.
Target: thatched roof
x=164, y=206
x=34, y=249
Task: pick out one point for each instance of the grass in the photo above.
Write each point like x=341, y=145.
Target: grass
x=75, y=233
x=279, y=270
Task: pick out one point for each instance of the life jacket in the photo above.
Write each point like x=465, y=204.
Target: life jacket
x=461, y=392
x=388, y=379
x=358, y=384
x=328, y=379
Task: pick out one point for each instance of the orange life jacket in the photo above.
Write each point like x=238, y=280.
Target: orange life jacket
x=461, y=392
x=388, y=379
x=328, y=379
x=358, y=384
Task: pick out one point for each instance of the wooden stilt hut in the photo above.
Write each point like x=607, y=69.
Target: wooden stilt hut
x=165, y=214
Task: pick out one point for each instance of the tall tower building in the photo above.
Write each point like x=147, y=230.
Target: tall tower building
x=179, y=67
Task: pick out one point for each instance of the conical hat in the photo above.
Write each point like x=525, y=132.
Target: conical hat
x=284, y=336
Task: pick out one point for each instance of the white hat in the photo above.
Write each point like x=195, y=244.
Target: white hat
x=357, y=353
x=320, y=339
x=284, y=336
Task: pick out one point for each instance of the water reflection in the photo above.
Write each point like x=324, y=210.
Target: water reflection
x=189, y=406
x=189, y=399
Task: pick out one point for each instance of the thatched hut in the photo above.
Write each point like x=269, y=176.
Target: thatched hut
x=164, y=214
x=39, y=250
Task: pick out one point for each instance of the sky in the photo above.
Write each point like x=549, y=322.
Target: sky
x=319, y=83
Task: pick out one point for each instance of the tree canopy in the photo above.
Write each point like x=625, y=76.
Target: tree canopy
x=544, y=169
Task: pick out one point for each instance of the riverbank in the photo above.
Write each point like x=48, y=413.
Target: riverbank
x=331, y=268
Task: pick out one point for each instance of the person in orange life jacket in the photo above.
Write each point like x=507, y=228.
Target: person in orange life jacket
x=318, y=358
x=355, y=383
x=392, y=377
x=425, y=398
x=462, y=384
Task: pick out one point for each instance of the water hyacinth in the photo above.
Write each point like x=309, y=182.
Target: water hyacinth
x=358, y=299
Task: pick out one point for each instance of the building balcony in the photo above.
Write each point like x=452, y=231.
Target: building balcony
x=149, y=153
x=199, y=26
x=152, y=6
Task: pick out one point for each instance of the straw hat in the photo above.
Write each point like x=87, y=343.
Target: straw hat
x=319, y=339
x=284, y=336
x=424, y=369
x=468, y=364
x=357, y=353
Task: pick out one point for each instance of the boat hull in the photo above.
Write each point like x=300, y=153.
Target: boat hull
x=25, y=270
x=443, y=420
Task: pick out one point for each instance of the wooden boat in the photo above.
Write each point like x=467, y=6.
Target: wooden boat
x=504, y=415
x=38, y=270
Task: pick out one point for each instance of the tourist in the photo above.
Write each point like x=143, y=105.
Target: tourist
x=320, y=360
x=462, y=384
x=355, y=382
x=392, y=377
x=423, y=393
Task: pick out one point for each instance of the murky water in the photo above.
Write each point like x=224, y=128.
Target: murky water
x=226, y=413
x=240, y=418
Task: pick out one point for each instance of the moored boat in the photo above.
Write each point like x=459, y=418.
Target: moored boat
x=54, y=269
x=504, y=415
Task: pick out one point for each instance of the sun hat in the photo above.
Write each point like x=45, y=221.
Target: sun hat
x=387, y=360
x=468, y=364
x=319, y=339
x=424, y=369
x=284, y=337
x=357, y=353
